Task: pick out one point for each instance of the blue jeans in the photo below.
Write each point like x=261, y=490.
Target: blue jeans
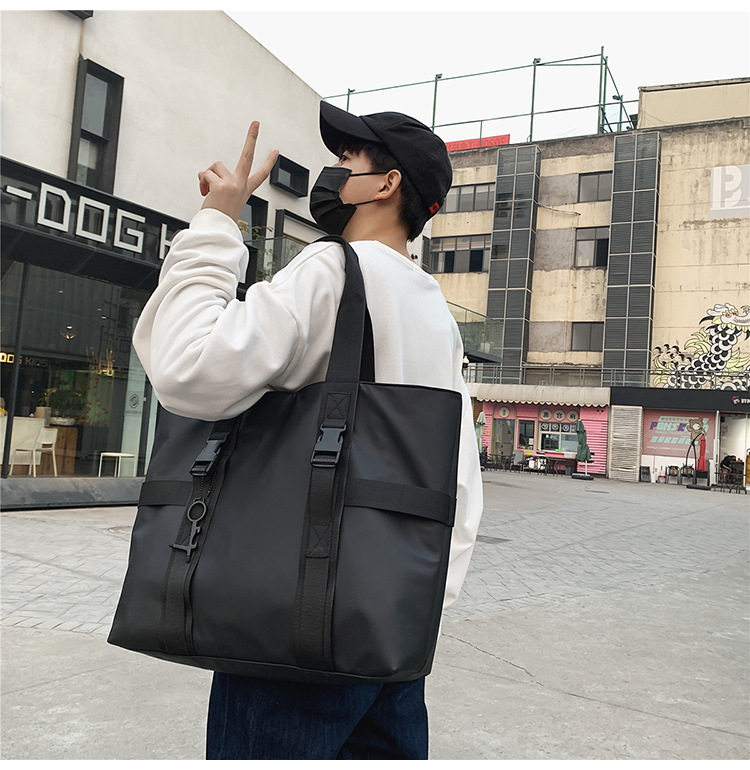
x=266, y=719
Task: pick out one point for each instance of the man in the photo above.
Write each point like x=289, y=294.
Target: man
x=210, y=356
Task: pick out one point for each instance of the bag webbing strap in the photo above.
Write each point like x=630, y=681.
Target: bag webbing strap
x=352, y=355
x=351, y=359
x=175, y=624
x=366, y=493
x=314, y=598
x=400, y=498
x=165, y=492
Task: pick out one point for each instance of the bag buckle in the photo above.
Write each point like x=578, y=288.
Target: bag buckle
x=328, y=447
x=209, y=455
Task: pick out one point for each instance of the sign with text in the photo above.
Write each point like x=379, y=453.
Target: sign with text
x=730, y=191
x=59, y=208
x=671, y=433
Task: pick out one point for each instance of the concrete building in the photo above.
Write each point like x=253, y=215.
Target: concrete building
x=619, y=267
x=107, y=117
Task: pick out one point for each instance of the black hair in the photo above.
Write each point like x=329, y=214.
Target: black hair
x=412, y=210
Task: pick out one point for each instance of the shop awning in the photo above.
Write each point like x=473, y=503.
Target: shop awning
x=539, y=394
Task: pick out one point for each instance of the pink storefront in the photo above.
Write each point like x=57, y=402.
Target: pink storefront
x=541, y=428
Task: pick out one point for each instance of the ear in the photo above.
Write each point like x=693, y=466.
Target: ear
x=391, y=183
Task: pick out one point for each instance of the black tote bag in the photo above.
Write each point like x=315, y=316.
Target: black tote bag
x=306, y=539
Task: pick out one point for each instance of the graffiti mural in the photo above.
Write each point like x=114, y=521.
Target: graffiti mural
x=711, y=357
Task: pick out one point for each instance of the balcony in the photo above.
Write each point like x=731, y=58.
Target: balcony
x=482, y=336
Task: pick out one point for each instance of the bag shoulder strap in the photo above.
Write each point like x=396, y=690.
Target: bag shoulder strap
x=353, y=350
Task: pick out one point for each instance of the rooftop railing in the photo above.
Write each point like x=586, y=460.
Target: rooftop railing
x=597, y=377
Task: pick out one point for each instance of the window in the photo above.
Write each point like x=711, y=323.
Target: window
x=558, y=437
x=526, y=434
x=472, y=197
x=460, y=254
x=252, y=221
x=592, y=246
x=96, y=126
x=588, y=336
x=77, y=369
x=290, y=176
x=503, y=436
x=595, y=187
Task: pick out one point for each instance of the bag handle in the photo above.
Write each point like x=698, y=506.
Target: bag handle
x=353, y=351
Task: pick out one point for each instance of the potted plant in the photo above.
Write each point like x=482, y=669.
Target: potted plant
x=66, y=405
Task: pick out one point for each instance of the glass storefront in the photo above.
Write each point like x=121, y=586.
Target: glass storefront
x=72, y=370
x=77, y=268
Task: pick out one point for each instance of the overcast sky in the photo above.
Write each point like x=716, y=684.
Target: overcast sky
x=338, y=47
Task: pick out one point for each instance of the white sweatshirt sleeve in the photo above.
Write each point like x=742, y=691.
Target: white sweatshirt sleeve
x=210, y=356
x=469, y=494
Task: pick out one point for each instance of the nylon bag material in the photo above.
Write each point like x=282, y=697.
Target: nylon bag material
x=303, y=569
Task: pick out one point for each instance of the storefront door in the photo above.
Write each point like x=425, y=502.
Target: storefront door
x=73, y=367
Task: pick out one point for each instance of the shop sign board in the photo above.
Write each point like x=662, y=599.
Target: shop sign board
x=671, y=433
x=60, y=208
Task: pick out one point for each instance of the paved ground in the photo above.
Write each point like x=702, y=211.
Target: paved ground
x=600, y=620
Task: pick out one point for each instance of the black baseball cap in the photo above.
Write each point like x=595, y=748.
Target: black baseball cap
x=420, y=152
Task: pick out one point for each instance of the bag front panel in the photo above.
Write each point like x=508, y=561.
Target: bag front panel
x=136, y=620
x=177, y=442
x=244, y=585
x=407, y=434
x=389, y=589
x=392, y=566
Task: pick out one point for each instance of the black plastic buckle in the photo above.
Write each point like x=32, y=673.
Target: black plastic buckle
x=328, y=447
x=210, y=454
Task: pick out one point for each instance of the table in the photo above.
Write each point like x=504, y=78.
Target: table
x=118, y=457
x=497, y=462
x=559, y=463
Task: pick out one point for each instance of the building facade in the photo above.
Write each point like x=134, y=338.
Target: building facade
x=107, y=118
x=618, y=265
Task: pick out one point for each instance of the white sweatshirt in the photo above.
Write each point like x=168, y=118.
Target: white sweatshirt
x=210, y=356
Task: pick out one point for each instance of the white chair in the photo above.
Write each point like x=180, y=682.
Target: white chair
x=46, y=443
x=24, y=442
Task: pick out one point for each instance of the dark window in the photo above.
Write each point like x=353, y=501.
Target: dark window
x=595, y=187
x=460, y=254
x=96, y=126
x=592, y=246
x=472, y=197
x=252, y=221
x=290, y=176
x=526, y=434
x=466, y=198
x=588, y=336
x=451, y=200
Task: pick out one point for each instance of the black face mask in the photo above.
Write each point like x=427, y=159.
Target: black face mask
x=326, y=206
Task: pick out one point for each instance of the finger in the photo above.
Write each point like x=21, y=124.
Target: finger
x=208, y=178
x=262, y=173
x=245, y=164
x=203, y=185
x=220, y=169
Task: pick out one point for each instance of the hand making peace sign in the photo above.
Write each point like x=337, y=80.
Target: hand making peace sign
x=228, y=191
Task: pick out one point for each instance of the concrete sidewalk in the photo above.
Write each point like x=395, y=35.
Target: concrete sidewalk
x=599, y=620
